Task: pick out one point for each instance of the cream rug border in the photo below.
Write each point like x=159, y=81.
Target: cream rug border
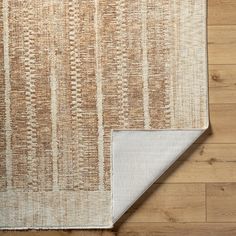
x=62, y=204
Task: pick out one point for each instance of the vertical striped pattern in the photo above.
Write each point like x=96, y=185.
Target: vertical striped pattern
x=74, y=70
x=77, y=101
x=30, y=87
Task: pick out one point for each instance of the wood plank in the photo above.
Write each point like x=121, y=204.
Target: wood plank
x=171, y=203
x=222, y=84
x=222, y=117
x=177, y=229
x=219, y=34
x=204, y=163
x=221, y=12
x=222, y=44
x=221, y=202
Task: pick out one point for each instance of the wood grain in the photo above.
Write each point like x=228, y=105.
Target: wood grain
x=222, y=82
x=177, y=229
x=205, y=163
x=172, y=203
x=222, y=44
x=221, y=12
x=221, y=202
x=222, y=123
x=209, y=166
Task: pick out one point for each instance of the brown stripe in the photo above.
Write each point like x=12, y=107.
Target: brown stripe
x=158, y=60
x=18, y=103
x=43, y=106
x=121, y=70
x=2, y=108
x=65, y=135
x=32, y=158
x=111, y=108
x=134, y=65
x=89, y=126
x=77, y=111
x=64, y=100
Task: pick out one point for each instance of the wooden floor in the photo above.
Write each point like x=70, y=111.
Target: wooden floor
x=198, y=195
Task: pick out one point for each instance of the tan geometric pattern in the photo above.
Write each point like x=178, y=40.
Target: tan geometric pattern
x=73, y=71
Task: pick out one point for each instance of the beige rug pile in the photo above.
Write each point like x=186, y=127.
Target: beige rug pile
x=72, y=71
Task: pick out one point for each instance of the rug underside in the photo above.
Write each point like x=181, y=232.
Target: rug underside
x=86, y=85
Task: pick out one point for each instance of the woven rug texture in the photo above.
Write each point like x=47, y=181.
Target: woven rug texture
x=72, y=71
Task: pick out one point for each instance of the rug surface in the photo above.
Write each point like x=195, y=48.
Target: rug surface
x=71, y=72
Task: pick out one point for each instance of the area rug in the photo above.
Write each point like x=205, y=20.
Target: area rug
x=98, y=99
